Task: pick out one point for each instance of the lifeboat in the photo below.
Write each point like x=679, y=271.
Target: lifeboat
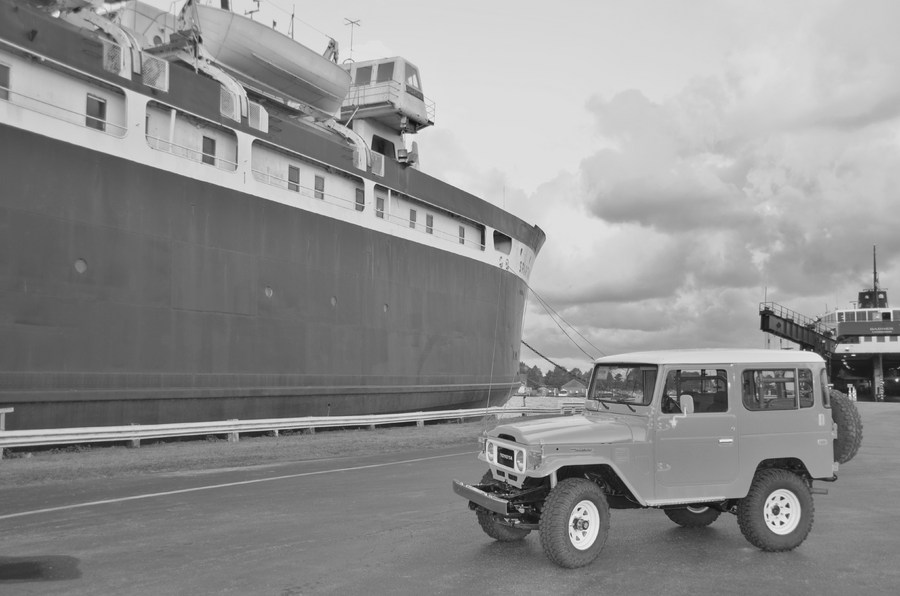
x=270, y=61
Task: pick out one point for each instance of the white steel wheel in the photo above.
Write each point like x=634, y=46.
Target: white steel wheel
x=782, y=512
x=777, y=513
x=584, y=525
x=574, y=522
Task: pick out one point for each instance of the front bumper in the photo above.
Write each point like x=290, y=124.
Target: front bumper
x=481, y=498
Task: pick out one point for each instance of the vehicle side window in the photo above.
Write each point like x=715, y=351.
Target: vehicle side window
x=770, y=389
x=708, y=387
x=826, y=394
x=807, y=397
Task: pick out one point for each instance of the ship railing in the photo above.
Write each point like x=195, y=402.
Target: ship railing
x=422, y=227
x=232, y=429
x=387, y=92
x=790, y=315
x=57, y=112
x=306, y=191
x=285, y=184
x=195, y=155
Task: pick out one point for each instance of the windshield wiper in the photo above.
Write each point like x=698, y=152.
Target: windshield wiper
x=621, y=400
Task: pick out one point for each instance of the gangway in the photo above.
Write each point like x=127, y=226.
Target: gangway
x=806, y=332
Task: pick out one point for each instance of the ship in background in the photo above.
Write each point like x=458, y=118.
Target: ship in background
x=201, y=219
x=860, y=344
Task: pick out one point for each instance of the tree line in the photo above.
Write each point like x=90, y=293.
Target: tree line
x=555, y=378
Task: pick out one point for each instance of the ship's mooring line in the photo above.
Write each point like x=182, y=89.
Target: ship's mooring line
x=551, y=362
x=554, y=315
x=525, y=343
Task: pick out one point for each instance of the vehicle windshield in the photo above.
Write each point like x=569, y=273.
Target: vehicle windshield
x=623, y=383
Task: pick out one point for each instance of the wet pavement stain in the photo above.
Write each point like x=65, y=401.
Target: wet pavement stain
x=38, y=568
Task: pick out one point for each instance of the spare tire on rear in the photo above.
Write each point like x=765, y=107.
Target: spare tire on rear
x=845, y=414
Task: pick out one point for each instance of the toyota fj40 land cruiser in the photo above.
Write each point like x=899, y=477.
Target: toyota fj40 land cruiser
x=696, y=433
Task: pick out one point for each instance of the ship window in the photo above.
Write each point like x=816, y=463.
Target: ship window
x=412, y=76
x=885, y=316
x=360, y=199
x=209, y=151
x=95, y=113
x=379, y=207
x=382, y=146
x=429, y=223
x=320, y=187
x=385, y=72
x=363, y=75
x=4, y=81
x=462, y=235
x=412, y=218
x=502, y=242
x=294, y=178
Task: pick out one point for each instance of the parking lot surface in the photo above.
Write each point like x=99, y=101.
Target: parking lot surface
x=391, y=525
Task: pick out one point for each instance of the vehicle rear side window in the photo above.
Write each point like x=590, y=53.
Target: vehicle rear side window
x=807, y=395
x=826, y=391
x=770, y=389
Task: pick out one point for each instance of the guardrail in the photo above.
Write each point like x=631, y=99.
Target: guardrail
x=135, y=433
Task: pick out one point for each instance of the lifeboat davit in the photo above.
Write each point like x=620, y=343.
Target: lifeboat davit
x=270, y=61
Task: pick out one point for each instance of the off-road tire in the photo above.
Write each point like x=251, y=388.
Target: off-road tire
x=850, y=429
x=574, y=523
x=777, y=514
x=693, y=517
x=492, y=526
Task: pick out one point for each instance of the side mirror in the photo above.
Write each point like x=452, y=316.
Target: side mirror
x=687, y=404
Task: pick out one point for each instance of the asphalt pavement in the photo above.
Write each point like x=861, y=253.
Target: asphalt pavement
x=390, y=524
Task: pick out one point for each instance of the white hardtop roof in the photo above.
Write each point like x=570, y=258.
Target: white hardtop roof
x=712, y=356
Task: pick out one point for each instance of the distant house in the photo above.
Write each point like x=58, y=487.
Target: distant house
x=574, y=388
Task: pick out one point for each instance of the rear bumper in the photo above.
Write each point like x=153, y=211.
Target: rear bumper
x=481, y=498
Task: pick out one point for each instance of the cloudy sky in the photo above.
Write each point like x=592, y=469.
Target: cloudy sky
x=687, y=159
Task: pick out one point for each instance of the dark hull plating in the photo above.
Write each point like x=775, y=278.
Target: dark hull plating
x=133, y=295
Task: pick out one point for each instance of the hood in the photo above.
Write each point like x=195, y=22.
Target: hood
x=567, y=430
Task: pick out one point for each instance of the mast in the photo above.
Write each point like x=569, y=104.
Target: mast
x=874, y=270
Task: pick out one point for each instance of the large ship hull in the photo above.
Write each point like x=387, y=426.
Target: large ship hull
x=171, y=320
x=145, y=282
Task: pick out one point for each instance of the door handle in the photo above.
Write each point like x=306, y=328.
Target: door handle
x=726, y=441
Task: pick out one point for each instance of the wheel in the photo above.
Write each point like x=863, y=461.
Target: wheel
x=490, y=523
x=777, y=513
x=574, y=523
x=693, y=517
x=845, y=414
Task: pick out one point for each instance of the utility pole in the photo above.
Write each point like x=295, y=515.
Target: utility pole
x=352, y=23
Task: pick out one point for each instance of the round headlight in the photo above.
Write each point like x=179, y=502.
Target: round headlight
x=489, y=451
x=520, y=460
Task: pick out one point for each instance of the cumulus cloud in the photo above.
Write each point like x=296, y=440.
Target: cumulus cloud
x=773, y=179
